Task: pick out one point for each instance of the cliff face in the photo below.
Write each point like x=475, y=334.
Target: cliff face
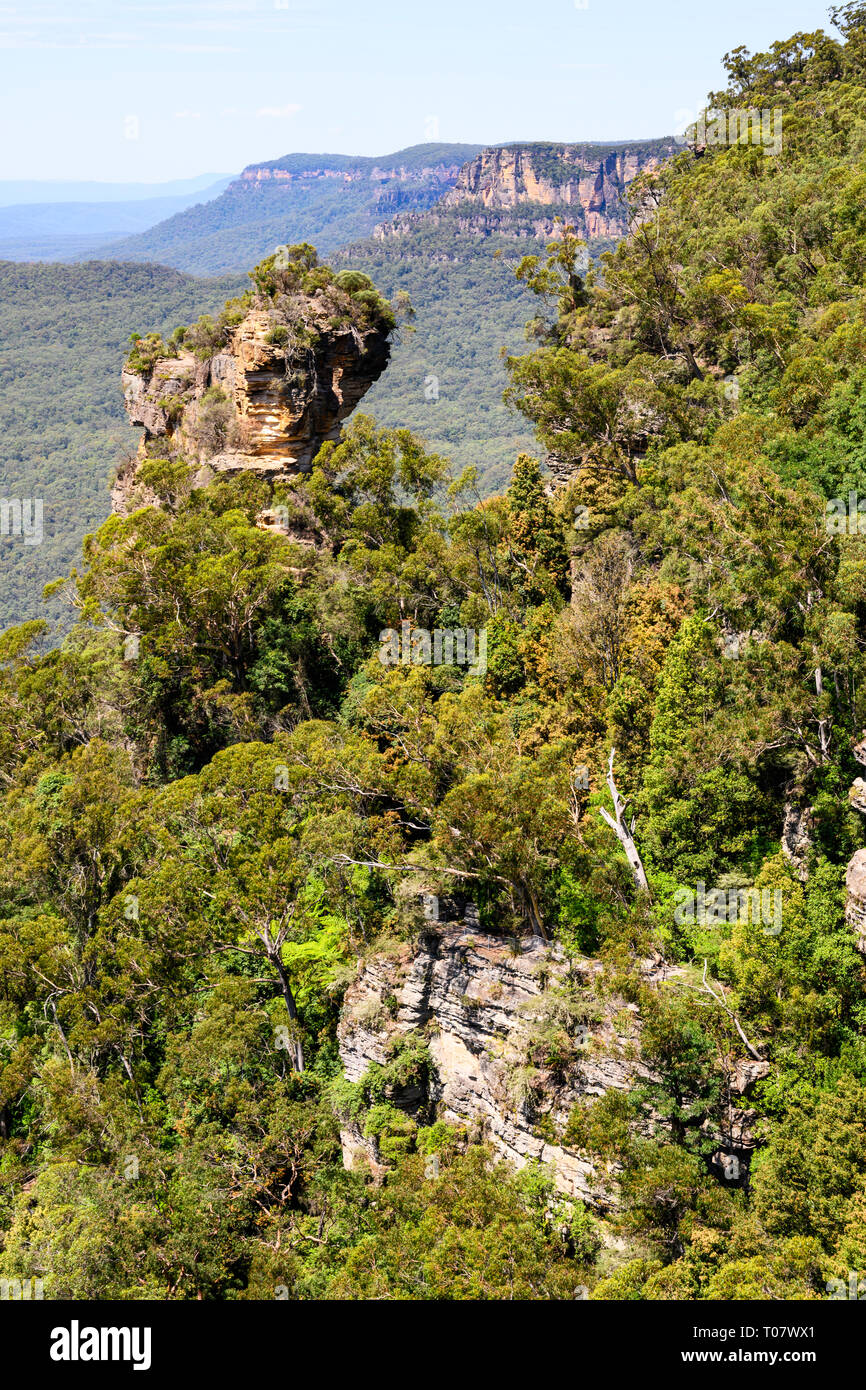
x=264, y=401
x=415, y=178
x=585, y=181
x=518, y=1036
x=587, y=178
x=481, y=1007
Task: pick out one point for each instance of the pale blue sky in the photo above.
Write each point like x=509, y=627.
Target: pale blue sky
x=159, y=89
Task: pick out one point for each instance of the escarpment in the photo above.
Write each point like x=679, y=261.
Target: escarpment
x=261, y=389
x=518, y=190
x=591, y=179
x=408, y=178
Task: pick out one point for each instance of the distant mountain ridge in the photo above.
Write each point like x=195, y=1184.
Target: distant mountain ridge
x=328, y=199
x=336, y=200
x=88, y=218
x=412, y=160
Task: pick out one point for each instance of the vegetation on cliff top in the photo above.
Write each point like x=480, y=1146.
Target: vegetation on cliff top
x=304, y=298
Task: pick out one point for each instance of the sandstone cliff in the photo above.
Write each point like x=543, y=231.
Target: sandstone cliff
x=476, y=1000
x=264, y=388
x=584, y=182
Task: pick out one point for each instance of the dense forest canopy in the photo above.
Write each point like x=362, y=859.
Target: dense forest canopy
x=205, y=834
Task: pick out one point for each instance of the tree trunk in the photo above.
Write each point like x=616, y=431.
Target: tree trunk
x=291, y=1007
x=823, y=724
x=622, y=832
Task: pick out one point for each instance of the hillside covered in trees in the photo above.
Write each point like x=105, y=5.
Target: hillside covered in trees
x=246, y=794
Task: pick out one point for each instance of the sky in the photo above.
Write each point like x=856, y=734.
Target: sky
x=152, y=90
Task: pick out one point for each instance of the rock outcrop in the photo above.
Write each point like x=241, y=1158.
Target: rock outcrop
x=480, y=1000
x=268, y=396
x=746, y=1073
x=855, y=906
x=797, y=828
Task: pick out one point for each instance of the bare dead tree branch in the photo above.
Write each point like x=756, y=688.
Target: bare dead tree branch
x=622, y=831
x=722, y=1003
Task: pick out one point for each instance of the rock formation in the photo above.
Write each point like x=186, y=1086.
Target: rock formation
x=797, y=827
x=857, y=795
x=479, y=1000
x=275, y=386
x=855, y=907
x=590, y=179
x=518, y=190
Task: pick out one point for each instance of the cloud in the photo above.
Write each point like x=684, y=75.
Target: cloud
x=187, y=115
x=289, y=110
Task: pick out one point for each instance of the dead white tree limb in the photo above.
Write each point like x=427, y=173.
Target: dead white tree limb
x=722, y=1003
x=622, y=831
